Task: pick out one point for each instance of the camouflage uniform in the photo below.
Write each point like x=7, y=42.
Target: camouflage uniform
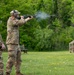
x=1, y=59
x=12, y=41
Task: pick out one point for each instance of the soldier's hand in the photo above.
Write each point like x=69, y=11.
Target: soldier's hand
x=31, y=17
x=3, y=46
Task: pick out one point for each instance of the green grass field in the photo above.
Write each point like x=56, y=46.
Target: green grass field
x=46, y=63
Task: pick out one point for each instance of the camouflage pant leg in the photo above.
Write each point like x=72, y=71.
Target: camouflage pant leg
x=12, y=52
x=14, y=58
x=18, y=61
x=1, y=64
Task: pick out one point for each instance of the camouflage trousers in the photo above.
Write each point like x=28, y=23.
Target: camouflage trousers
x=14, y=58
x=1, y=64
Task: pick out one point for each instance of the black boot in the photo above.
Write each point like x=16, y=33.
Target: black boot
x=19, y=73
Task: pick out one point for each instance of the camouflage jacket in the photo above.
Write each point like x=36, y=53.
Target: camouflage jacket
x=13, y=30
x=0, y=45
x=1, y=41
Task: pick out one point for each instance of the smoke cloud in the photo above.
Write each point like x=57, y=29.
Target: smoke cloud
x=41, y=16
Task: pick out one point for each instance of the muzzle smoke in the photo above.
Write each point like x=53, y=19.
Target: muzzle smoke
x=41, y=16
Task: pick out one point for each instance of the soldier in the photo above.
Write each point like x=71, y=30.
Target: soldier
x=1, y=59
x=12, y=41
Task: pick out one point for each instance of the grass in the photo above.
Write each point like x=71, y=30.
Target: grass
x=46, y=63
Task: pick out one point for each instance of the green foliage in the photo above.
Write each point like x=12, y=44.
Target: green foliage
x=53, y=33
x=42, y=38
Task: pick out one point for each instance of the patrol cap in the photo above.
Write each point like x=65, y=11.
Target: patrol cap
x=14, y=12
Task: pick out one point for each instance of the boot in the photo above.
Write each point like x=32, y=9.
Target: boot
x=19, y=73
x=7, y=73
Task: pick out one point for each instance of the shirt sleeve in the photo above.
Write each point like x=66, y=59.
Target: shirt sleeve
x=19, y=22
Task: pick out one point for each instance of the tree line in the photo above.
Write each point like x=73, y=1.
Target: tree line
x=53, y=33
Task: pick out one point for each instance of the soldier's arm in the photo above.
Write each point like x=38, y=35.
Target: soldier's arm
x=2, y=46
x=21, y=21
